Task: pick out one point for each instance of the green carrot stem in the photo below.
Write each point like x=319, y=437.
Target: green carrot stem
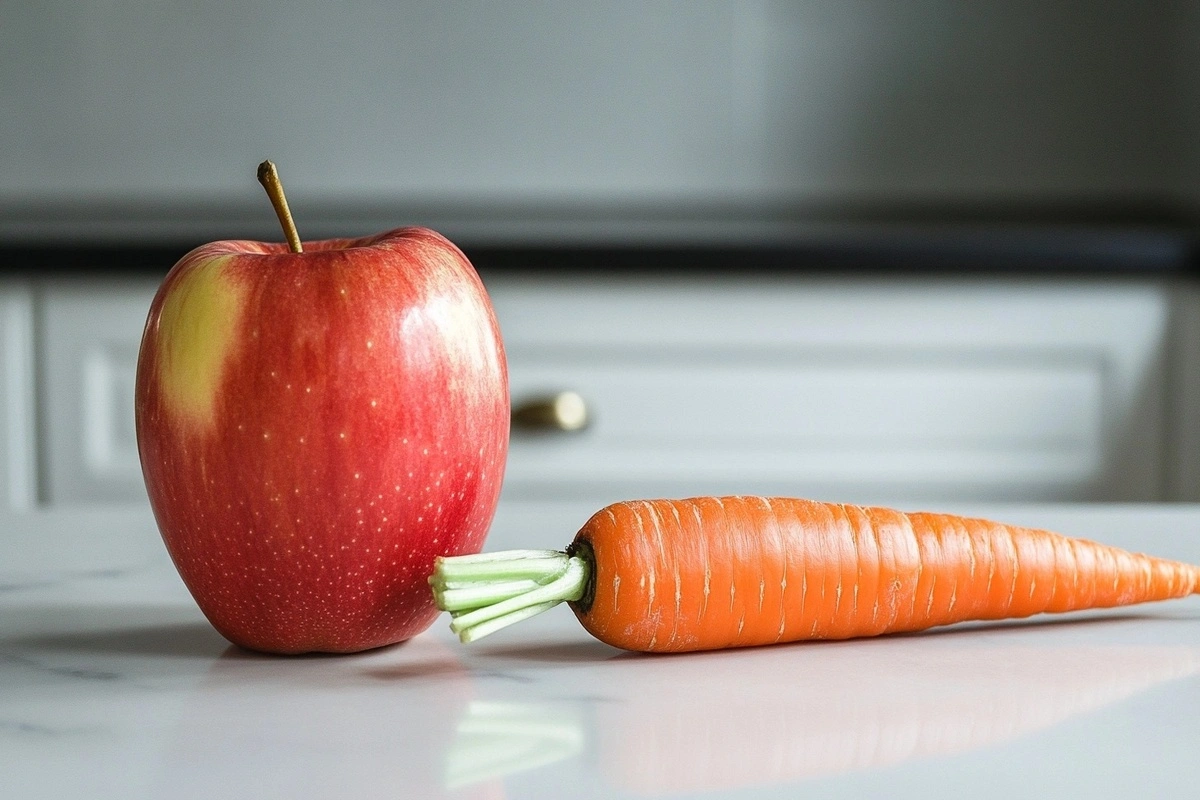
x=507, y=569
x=502, y=555
x=465, y=598
x=487, y=592
x=482, y=629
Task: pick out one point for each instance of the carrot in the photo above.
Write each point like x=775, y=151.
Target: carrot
x=714, y=572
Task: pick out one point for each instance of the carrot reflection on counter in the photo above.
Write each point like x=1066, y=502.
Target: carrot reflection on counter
x=708, y=573
x=721, y=721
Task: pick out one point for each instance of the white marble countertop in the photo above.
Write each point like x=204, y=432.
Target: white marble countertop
x=112, y=685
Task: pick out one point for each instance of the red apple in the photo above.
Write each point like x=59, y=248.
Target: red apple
x=315, y=427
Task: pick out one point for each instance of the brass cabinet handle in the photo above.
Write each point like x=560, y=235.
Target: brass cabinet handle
x=563, y=411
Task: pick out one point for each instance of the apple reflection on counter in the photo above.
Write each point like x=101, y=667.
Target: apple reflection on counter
x=362, y=726
x=737, y=719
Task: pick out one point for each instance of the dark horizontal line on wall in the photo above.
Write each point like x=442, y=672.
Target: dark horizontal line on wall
x=1133, y=238
x=1100, y=253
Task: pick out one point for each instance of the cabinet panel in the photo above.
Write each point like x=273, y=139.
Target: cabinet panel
x=89, y=337
x=18, y=467
x=880, y=390
x=799, y=423
x=913, y=398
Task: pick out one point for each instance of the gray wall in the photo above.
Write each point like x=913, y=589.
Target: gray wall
x=1185, y=121
x=665, y=104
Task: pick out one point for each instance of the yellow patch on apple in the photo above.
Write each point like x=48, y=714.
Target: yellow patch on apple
x=196, y=330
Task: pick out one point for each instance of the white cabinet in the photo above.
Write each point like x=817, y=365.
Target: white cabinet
x=18, y=466
x=877, y=390
x=88, y=337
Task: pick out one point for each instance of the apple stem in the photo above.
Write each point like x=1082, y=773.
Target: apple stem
x=269, y=178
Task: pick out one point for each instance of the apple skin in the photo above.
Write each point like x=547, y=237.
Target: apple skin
x=314, y=428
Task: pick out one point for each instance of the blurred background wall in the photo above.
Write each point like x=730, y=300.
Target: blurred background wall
x=766, y=159
x=664, y=106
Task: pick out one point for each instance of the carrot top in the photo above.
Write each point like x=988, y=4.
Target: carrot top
x=489, y=591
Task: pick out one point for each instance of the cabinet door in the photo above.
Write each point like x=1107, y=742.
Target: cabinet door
x=89, y=336
x=18, y=472
x=881, y=391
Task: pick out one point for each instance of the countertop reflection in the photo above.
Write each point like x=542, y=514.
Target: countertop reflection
x=113, y=685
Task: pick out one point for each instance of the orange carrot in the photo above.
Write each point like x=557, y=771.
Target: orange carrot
x=715, y=572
